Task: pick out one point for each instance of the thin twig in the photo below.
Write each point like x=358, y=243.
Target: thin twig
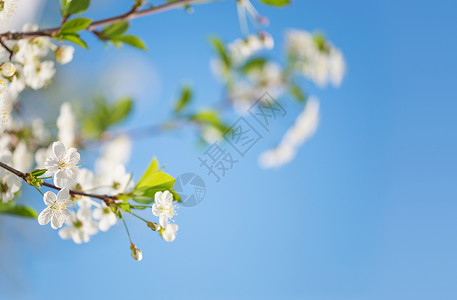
x=7, y=48
x=131, y=14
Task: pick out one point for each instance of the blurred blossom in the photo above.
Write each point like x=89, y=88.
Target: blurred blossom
x=305, y=126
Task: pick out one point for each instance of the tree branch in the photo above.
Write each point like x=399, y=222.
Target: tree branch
x=107, y=199
x=131, y=14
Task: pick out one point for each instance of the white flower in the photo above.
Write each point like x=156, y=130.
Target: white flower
x=7, y=69
x=316, y=58
x=115, y=152
x=7, y=10
x=22, y=157
x=9, y=185
x=62, y=163
x=116, y=181
x=163, y=207
x=57, y=208
x=64, y=54
x=305, y=126
x=169, y=233
x=241, y=49
x=86, y=180
x=106, y=216
x=37, y=74
x=79, y=228
x=66, y=123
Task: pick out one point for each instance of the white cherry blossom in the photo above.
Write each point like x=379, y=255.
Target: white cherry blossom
x=169, y=233
x=62, y=163
x=163, y=207
x=64, y=54
x=79, y=228
x=105, y=216
x=56, y=211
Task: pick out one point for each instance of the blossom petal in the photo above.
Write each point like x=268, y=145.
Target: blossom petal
x=63, y=195
x=49, y=198
x=57, y=221
x=59, y=150
x=45, y=216
x=66, y=233
x=163, y=220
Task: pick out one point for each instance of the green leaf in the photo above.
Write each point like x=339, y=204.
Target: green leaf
x=74, y=38
x=116, y=29
x=296, y=91
x=218, y=45
x=76, y=6
x=130, y=40
x=252, y=64
x=121, y=110
x=18, y=210
x=75, y=25
x=125, y=206
x=38, y=172
x=276, y=2
x=184, y=99
x=152, y=181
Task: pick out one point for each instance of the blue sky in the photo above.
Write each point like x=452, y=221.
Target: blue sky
x=366, y=211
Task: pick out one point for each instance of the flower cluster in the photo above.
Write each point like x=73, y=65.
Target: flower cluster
x=32, y=67
x=316, y=58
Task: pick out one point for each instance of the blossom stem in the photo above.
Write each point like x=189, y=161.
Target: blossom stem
x=126, y=228
x=107, y=199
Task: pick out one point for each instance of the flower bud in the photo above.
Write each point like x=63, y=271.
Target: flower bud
x=136, y=253
x=64, y=54
x=153, y=226
x=7, y=69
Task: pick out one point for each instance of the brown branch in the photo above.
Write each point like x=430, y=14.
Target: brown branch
x=131, y=14
x=107, y=199
x=7, y=48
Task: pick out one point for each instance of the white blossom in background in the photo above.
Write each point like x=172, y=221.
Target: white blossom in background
x=56, y=211
x=63, y=164
x=7, y=10
x=66, y=124
x=114, y=153
x=321, y=64
x=79, y=227
x=169, y=233
x=305, y=126
x=240, y=49
x=163, y=207
x=115, y=182
x=22, y=157
x=38, y=74
x=9, y=185
x=64, y=54
x=105, y=216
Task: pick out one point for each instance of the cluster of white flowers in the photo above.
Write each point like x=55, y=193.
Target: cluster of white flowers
x=240, y=49
x=305, y=126
x=7, y=10
x=317, y=59
x=31, y=66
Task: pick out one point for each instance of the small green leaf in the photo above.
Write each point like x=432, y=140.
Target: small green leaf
x=254, y=63
x=38, y=172
x=130, y=40
x=18, y=210
x=121, y=110
x=184, y=99
x=125, y=206
x=276, y=2
x=76, y=6
x=75, y=25
x=220, y=48
x=296, y=91
x=74, y=38
x=116, y=29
